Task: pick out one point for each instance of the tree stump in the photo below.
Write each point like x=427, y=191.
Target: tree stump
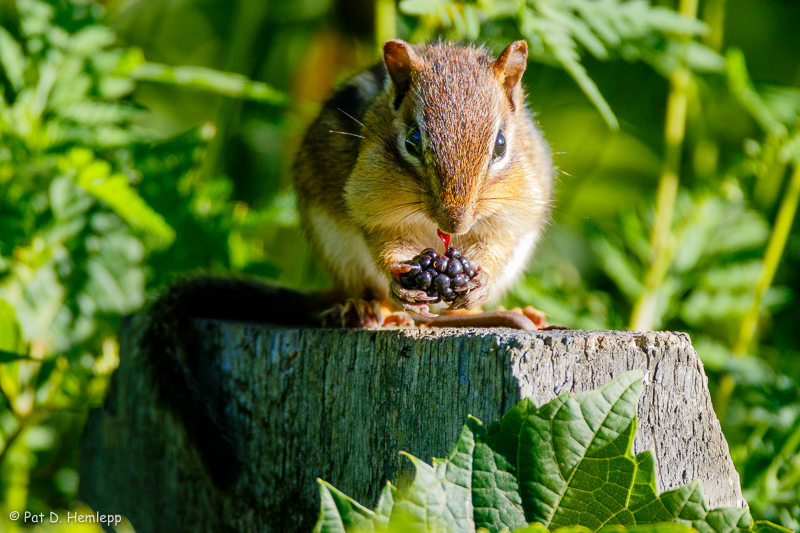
x=340, y=404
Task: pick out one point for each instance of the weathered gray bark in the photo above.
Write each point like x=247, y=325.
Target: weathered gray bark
x=339, y=405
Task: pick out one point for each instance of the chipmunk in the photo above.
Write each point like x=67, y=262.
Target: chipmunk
x=435, y=137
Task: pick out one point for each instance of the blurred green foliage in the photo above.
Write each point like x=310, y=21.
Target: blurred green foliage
x=144, y=138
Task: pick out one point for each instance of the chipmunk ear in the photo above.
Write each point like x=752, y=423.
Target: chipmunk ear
x=401, y=62
x=509, y=68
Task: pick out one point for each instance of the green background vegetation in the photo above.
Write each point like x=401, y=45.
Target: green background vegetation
x=140, y=139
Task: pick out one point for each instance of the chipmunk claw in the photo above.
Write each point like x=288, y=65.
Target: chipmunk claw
x=414, y=301
x=364, y=314
x=411, y=295
x=402, y=268
x=472, y=293
x=418, y=308
x=400, y=294
x=353, y=314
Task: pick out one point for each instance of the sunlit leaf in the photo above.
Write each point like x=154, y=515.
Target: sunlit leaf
x=92, y=39
x=742, y=87
x=12, y=344
x=618, y=266
x=11, y=59
x=115, y=191
x=206, y=79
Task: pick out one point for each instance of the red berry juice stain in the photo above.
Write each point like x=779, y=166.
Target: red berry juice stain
x=445, y=238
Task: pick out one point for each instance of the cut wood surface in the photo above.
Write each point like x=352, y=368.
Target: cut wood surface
x=340, y=404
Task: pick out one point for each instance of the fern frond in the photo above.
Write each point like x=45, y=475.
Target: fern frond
x=558, y=31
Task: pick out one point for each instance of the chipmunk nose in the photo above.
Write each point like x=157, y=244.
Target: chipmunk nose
x=455, y=219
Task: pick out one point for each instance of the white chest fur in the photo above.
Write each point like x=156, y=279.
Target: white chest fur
x=346, y=254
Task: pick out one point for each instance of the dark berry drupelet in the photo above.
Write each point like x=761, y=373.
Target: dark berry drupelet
x=438, y=275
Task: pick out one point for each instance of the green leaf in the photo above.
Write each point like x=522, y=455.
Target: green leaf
x=618, y=267
x=762, y=526
x=115, y=191
x=12, y=344
x=206, y=79
x=92, y=39
x=495, y=491
x=783, y=102
x=12, y=59
x=702, y=58
x=92, y=113
x=338, y=513
x=562, y=46
x=383, y=510
x=568, y=464
x=558, y=487
x=435, y=501
x=648, y=528
x=742, y=87
x=422, y=7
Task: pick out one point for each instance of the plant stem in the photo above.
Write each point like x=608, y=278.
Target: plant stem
x=772, y=258
x=23, y=423
x=385, y=22
x=644, y=311
x=714, y=17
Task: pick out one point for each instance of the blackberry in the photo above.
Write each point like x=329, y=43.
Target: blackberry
x=454, y=268
x=440, y=263
x=438, y=275
x=423, y=281
x=441, y=283
x=459, y=280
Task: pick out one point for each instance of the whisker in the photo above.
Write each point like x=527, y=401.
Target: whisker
x=351, y=116
x=417, y=221
x=524, y=201
x=510, y=198
x=347, y=133
x=418, y=211
x=403, y=186
x=512, y=201
x=395, y=208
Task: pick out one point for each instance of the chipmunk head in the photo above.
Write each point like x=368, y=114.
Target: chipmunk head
x=457, y=119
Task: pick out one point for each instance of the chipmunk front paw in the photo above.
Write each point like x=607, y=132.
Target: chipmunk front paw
x=473, y=293
x=412, y=300
x=364, y=314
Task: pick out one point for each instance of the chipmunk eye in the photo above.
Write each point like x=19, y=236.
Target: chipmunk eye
x=499, y=146
x=414, y=142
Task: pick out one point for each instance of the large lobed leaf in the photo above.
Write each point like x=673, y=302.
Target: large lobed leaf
x=565, y=466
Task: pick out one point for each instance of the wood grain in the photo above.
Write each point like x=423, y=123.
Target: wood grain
x=340, y=404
